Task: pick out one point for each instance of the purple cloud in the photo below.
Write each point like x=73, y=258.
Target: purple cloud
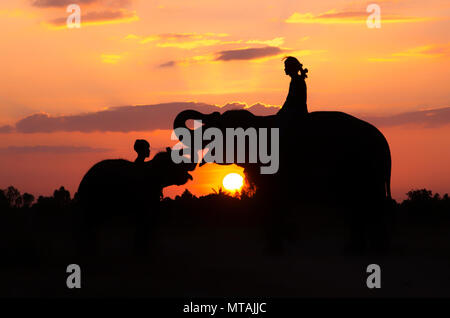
x=427, y=118
x=161, y=116
x=65, y=3
x=60, y=3
x=248, y=54
x=50, y=149
x=168, y=64
x=6, y=129
x=107, y=15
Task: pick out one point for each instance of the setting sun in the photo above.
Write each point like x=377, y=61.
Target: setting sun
x=233, y=181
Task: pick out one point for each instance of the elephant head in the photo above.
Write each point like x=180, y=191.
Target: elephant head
x=170, y=172
x=209, y=120
x=246, y=129
x=238, y=122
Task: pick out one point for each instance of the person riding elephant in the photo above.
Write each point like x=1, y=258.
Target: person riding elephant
x=295, y=104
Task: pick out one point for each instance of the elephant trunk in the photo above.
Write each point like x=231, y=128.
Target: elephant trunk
x=182, y=117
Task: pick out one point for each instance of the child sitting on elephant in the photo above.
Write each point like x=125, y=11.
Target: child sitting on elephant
x=142, y=147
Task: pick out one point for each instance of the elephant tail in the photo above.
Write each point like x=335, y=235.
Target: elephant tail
x=388, y=176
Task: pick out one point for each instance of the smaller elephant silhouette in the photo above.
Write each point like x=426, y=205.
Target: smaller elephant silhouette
x=117, y=186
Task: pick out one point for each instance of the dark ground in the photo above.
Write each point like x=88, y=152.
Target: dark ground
x=217, y=246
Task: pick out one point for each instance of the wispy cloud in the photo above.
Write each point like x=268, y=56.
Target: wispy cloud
x=382, y=59
x=274, y=42
x=431, y=50
x=59, y=3
x=50, y=149
x=98, y=18
x=65, y=3
x=425, y=51
x=241, y=54
x=348, y=17
x=125, y=118
x=183, y=40
x=168, y=64
x=194, y=40
x=161, y=116
x=431, y=118
x=6, y=129
x=249, y=53
x=110, y=58
x=16, y=13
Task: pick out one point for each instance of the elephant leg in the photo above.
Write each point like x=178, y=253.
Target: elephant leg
x=379, y=227
x=88, y=233
x=141, y=233
x=356, y=241
x=145, y=230
x=368, y=223
x=274, y=221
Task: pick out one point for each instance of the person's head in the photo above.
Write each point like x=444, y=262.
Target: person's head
x=142, y=147
x=292, y=66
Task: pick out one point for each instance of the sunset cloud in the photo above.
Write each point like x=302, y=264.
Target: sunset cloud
x=274, y=42
x=242, y=54
x=183, y=40
x=126, y=118
x=425, y=51
x=65, y=3
x=432, y=50
x=51, y=149
x=98, y=18
x=425, y=118
x=16, y=13
x=6, y=129
x=348, y=17
x=59, y=3
x=168, y=64
x=249, y=53
x=161, y=116
x=193, y=40
x=110, y=58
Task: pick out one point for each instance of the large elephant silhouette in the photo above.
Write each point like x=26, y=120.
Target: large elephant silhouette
x=118, y=186
x=327, y=157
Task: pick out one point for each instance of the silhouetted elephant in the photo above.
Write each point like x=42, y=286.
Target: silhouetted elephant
x=118, y=186
x=327, y=157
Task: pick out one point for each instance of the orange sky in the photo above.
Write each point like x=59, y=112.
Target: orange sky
x=136, y=52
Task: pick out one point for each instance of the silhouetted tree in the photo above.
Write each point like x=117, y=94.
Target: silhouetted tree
x=187, y=195
x=45, y=203
x=220, y=192
x=4, y=202
x=62, y=197
x=27, y=200
x=14, y=198
x=420, y=195
x=423, y=203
